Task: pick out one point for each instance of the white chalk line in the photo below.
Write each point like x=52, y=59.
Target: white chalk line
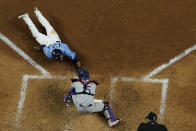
x=23, y=92
x=147, y=78
x=175, y=59
x=25, y=78
x=22, y=54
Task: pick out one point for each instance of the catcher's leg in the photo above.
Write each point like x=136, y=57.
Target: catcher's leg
x=109, y=115
x=40, y=38
x=105, y=108
x=49, y=29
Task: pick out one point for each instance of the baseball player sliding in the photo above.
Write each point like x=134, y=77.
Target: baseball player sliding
x=50, y=43
x=82, y=94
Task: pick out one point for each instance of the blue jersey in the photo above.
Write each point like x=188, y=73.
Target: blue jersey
x=58, y=45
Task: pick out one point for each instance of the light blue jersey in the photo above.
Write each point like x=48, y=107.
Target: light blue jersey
x=58, y=45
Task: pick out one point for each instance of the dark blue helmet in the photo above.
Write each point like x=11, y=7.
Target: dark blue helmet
x=56, y=53
x=151, y=116
x=83, y=74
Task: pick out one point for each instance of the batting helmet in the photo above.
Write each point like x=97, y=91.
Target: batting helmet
x=151, y=116
x=56, y=53
x=83, y=74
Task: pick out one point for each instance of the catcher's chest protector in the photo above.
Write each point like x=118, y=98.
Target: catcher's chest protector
x=84, y=88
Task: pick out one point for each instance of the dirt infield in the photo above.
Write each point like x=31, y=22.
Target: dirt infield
x=113, y=38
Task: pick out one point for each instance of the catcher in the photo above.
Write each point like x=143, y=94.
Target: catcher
x=50, y=43
x=82, y=95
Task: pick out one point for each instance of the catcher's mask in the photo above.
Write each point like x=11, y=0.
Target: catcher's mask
x=56, y=53
x=83, y=74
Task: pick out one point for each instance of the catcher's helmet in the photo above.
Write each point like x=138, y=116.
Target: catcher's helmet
x=83, y=74
x=151, y=116
x=56, y=54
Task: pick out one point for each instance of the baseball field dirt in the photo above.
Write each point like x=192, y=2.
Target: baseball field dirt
x=113, y=39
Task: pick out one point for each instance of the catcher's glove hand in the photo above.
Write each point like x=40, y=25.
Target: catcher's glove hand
x=68, y=101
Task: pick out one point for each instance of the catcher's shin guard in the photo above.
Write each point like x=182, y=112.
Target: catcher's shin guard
x=109, y=115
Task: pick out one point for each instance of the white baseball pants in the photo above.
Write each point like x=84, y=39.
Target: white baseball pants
x=42, y=39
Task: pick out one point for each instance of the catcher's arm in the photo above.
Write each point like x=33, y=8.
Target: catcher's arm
x=68, y=97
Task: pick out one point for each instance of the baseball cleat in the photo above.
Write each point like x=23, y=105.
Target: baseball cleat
x=35, y=9
x=113, y=123
x=23, y=16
